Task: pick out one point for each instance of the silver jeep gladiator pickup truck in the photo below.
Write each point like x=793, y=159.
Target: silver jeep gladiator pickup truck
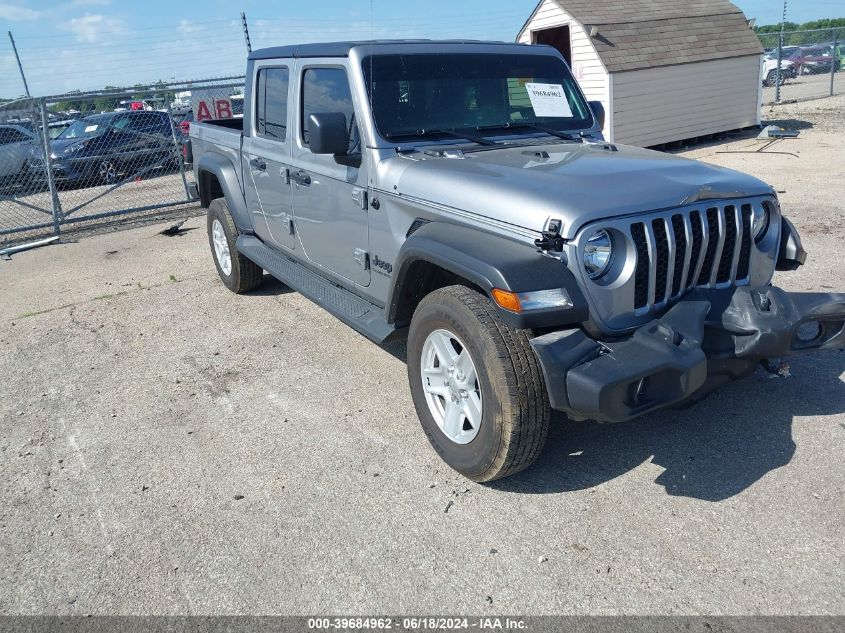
x=461, y=193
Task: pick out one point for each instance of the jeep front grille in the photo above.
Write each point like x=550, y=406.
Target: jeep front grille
x=710, y=247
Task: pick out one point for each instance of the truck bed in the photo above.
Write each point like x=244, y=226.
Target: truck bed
x=217, y=136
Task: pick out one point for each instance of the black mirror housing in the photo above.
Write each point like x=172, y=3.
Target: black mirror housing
x=598, y=111
x=327, y=133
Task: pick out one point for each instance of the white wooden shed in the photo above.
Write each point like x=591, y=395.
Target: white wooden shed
x=665, y=70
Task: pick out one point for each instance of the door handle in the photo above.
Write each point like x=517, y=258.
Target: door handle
x=301, y=178
x=257, y=163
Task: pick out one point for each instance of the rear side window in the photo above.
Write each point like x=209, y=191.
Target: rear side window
x=326, y=90
x=272, y=102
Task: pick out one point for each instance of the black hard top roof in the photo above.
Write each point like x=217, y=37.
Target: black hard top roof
x=341, y=49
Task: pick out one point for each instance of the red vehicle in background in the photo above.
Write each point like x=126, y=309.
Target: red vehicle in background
x=183, y=124
x=810, y=60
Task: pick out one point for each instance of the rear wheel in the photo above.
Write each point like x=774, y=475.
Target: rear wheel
x=476, y=384
x=237, y=273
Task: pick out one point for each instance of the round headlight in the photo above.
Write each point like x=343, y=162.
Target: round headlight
x=760, y=222
x=598, y=254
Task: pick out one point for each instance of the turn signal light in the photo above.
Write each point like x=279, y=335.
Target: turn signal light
x=507, y=300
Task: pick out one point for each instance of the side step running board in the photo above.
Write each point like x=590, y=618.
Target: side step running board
x=356, y=312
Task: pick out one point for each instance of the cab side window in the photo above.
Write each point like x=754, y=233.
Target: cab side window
x=272, y=102
x=327, y=90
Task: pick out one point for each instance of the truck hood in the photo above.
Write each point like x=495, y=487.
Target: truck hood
x=578, y=183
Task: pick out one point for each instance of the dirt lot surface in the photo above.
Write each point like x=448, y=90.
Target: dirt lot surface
x=167, y=447
x=807, y=87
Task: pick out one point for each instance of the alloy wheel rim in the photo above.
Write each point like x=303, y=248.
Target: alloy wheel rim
x=451, y=386
x=221, y=247
x=108, y=172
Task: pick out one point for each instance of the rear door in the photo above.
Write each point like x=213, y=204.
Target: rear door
x=267, y=155
x=327, y=196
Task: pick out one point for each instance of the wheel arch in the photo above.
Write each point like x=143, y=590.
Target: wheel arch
x=217, y=178
x=439, y=254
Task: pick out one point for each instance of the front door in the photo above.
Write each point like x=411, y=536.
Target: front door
x=267, y=157
x=327, y=196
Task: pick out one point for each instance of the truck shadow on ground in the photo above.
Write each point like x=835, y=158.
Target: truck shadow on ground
x=271, y=287
x=710, y=451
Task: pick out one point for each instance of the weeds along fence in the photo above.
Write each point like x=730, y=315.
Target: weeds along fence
x=84, y=158
x=801, y=65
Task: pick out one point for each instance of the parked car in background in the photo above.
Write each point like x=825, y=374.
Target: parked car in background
x=769, y=70
x=809, y=60
x=54, y=128
x=838, y=54
x=16, y=143
x=786, y=53
x=103, y=148
x=237, y=102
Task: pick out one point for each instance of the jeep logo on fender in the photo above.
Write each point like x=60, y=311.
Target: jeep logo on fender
x=380, y=263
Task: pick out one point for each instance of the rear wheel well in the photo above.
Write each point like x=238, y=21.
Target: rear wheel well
x=421, y=279
x=209, y=188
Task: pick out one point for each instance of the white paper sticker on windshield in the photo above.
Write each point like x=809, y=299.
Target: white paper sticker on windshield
x=91, y=128
x=548, y=100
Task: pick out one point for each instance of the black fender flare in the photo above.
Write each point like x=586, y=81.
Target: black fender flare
x=227, y=177
x=488, y=261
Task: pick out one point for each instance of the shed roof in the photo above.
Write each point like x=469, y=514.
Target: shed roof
x=640, y=34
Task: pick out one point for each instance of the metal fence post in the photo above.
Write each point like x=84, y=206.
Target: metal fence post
x=833, y=60
x=778, y=70
x=48, y=165
x=180, y=158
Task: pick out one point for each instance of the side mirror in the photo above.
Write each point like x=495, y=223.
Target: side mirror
x=327, y=133
x=598, y=112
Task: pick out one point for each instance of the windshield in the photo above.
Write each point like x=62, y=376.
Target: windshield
x=88, y=128
x=415, y=94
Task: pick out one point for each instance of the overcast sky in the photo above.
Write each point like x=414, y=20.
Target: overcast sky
x=86, y=44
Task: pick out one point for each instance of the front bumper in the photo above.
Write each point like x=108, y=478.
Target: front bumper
x=705, y=340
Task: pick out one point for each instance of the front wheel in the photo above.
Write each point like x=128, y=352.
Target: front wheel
x=476, y=385
x=772, y=77
x=107, y=172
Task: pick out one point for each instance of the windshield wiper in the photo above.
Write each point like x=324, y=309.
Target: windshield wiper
x=531, y=126
x=457, y=133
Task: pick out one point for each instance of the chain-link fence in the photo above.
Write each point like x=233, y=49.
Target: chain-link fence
x=81, y=158
x=802, y=65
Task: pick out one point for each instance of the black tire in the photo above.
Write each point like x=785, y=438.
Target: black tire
x=245, y=275
x=771, y=78
x=515, y=407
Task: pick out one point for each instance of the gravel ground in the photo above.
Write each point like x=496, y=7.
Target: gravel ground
x=807, y=87
x=170, y=448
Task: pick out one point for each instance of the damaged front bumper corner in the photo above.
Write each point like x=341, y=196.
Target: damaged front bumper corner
x=705, y=340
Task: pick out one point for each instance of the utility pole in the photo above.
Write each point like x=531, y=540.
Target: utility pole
x=246, y=32
x=780, y=54
x=20, y=68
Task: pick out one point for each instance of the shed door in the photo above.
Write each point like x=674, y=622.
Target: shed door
x=557, y=37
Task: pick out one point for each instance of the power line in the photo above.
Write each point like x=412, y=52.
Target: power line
x=183, y=23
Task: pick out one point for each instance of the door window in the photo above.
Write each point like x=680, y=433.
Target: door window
x=327, y=90
x=272, y=103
